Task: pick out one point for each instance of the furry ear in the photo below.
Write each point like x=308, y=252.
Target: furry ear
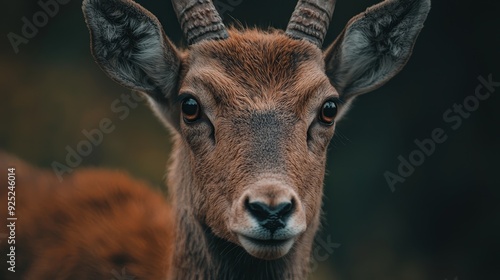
x=374, y=46
x=129, y=45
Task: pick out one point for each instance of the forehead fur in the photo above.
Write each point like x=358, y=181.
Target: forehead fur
x=255, y=65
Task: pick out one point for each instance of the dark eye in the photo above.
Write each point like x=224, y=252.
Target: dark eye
x=328, y=112
x=190, y=109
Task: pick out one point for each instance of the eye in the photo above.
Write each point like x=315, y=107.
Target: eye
x=190, y=110
x=328, y=112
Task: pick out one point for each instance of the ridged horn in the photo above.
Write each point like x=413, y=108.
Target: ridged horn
x=199, y=20
x=310, y=20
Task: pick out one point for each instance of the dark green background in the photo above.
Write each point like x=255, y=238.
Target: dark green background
x=441, y=223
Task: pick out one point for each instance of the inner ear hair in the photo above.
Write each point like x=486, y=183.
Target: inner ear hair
x=129, y=44
x=374, y=46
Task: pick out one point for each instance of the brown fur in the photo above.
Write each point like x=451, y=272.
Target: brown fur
x=215, y=168
x=269, y=67
x=93, y=225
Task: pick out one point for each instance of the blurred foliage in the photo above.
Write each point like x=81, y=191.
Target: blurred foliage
x=440, y=223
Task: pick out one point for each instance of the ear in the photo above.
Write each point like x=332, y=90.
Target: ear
x=129, y=45
x=374, y=46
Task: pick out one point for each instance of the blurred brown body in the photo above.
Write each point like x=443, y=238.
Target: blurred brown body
x=93, y=225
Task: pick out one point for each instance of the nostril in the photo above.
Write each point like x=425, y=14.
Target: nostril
x=273, y=224
x=258, y=209
x=272, y=218
x=283, y=210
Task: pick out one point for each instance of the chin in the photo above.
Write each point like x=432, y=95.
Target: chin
x=266, y=249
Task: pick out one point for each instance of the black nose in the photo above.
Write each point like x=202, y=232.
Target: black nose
x=270, y=217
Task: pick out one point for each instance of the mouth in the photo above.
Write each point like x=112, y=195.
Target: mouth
x=267, y=242
x=268, y=249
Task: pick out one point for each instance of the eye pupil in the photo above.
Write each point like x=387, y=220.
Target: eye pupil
x=190, y=109
x=328, y=112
